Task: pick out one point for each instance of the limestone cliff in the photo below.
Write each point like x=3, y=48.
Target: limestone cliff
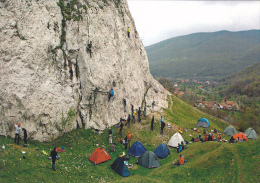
x=48, y=80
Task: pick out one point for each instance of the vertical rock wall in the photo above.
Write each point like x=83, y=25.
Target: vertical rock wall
x=48, y=80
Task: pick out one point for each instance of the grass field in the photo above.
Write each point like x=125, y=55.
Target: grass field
x=207, y=162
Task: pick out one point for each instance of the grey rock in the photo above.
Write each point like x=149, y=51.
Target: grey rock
x=51, y=84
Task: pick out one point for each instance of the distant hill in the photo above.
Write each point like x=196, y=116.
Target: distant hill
x=246, y=82
x=204, y=55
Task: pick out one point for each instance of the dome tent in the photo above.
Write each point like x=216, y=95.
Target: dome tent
x=149, y=160
x=119, y=167
x=203, y=122
x=162, y=151
x=137, y=149
x=250, y=133
x=240, y=136
x=175, y=140
x=230, y=130
x=99, y=155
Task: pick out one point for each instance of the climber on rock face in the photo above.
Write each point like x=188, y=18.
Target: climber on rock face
x=128, y=32
x=111, y=94
x=89, y=49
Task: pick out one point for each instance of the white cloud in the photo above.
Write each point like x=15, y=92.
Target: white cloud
x=159, y=20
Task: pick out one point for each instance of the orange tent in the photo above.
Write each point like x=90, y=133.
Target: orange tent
x=240, y=136
x=99, y=155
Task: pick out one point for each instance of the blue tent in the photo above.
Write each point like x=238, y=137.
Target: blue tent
x=137, y=149
x=119, y=167
x=203, y=122
x=162, y=151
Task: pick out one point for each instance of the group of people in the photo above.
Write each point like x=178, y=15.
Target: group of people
x=208, y=137
x=211, y=136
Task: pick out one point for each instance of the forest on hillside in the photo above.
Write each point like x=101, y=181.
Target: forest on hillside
x=204, y=56
x=241, y=88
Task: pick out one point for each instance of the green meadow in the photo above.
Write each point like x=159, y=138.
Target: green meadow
x=207, y=162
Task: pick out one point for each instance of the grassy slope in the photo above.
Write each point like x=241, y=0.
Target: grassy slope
x=207, y=162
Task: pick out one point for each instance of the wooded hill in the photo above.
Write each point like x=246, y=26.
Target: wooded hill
x=246, y=82
x=204, y=55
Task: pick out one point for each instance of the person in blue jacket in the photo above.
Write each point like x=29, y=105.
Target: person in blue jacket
x=111, y=94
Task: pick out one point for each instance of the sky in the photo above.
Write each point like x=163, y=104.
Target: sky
x=158, y=20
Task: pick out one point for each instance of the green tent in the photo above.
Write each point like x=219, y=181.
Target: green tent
x=250, y=133
x=230, y=130
x=149, y=160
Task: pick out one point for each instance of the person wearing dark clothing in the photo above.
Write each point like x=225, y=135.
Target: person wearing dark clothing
x=121, y=128
x=128, y=120
x=124, y=101
x=53, y=158
x=132, y=109
x=109, y=131
x=89, y=49
x=153, y=104
x=24, y=135
x=162, y=126
x=125, y=142
x=139, y=115
x=209, y=137
x=111, y=94
x=182, y=145
x=204, y=132
x=152, y=123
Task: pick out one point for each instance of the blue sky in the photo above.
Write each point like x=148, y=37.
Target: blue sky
x=157, y=20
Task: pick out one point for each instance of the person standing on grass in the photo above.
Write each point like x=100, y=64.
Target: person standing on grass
x=24, y=135
x=139, y=114
x=129, y=138
x=126, y=142
x=53, y=158
x=121, y=127
x=133, y=117
x=128, y=120
x=17, y=133
x=162, y=126
x=152, y=123
x=110, y=136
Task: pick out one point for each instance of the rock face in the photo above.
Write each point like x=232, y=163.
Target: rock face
x=49, y=81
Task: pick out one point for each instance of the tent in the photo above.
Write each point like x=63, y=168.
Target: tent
x=250, y=133
x=203, y=122
x=119, y=167
x=149, y=160
x=230, y=130
x=137, y=149
x=99, y=155
x=162, y=151
x=241, y=136
x=175, y=140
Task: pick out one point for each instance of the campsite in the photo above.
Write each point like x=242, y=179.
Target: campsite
x=210, y=161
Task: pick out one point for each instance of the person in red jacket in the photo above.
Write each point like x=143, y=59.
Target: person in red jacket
x=181, y=161
x=212, y=137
